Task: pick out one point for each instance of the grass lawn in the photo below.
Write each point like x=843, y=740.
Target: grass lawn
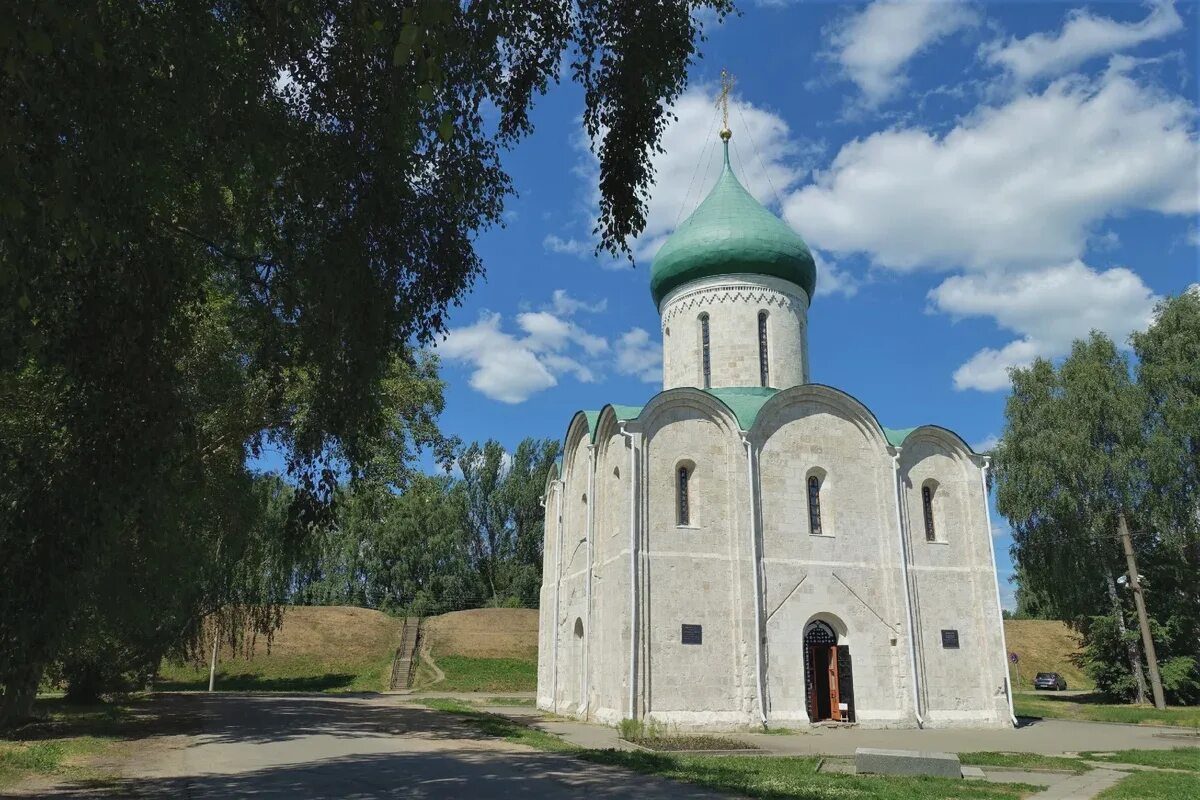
x=797, y=778
x=509, y=701
x=500, y=727
x=1093, y=707
x=1178, y=758
x=1154, y=786
x=275, y=673
x=774, y=778
x=465, y=674
x=1024, y=761
x=62, y=738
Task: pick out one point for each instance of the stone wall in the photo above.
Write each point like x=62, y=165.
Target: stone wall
x=703, y=573
x=732, y=304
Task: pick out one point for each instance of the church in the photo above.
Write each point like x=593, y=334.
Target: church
x=748, y=549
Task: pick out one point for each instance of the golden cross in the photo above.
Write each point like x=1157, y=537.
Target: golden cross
x=723, y=99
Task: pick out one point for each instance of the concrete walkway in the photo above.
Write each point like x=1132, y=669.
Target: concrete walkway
x=303, y=747
x=1046, y=737
x=1081, y=787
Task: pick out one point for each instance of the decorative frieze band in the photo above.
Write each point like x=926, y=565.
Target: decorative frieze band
x=730, y=293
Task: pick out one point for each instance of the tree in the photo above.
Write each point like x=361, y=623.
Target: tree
x=292, y=190
x=504, y=515
x=1067, y=467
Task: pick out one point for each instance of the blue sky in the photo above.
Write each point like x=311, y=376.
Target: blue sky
x=981, y=183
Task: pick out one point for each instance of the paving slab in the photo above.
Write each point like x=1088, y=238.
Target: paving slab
x=1081, y=787
x=877, y=761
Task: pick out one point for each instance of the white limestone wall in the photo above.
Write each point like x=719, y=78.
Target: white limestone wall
x=733, y=304
x=849, y=575
x=704, y=573
x=610, y=593
x=954, y=587
x=574, y=577
x=696, y=574
x=546, y=601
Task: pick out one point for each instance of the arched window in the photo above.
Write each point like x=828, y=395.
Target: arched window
x=927, y=505
x=705, y=359
x=764, y=374
x=683, y=505
x=814, y=505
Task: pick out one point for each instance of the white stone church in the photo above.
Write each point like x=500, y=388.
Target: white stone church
x=749, y=548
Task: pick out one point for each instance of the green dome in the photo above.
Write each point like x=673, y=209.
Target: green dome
x=731, y=233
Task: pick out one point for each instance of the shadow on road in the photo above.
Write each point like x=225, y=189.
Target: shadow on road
x=435, y=775
x=249, y=682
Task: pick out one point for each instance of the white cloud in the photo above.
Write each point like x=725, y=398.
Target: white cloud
x=986, y=445
x=1084, y=36
x=512, y=368
x=548, y=333
x=638, y=355
x=571, y=247
x=767, y=160
x=504, y=369
x=833, y=280
x=873, y=46
x=1019, y=184
x=564, y=305
x=1048, y=308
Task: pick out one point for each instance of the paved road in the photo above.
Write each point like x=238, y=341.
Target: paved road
x=299, y=747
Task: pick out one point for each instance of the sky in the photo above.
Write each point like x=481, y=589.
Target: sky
x=980, y=183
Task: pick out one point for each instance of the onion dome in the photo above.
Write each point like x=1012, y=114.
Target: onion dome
x=731, y=233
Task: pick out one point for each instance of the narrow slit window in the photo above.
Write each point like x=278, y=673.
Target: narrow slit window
x=814, y=505
x=764, y=374
x=927, y=504
x=705, y=359
x=684, y=504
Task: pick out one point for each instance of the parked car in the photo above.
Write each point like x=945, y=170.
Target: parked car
x=1049, y=680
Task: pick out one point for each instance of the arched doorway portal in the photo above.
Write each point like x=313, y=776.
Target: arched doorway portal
x=828, y=678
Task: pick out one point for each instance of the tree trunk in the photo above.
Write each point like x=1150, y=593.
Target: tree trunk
x=1131, y=647
x=1135, y=585
x=20, y=690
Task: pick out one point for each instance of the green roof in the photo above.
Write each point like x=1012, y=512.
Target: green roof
x=731, y=233
x=896, y=436
x=744, y=401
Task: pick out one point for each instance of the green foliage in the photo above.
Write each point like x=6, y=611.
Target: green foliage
x=441, y=544
x=226, y=227
x=1086, y=442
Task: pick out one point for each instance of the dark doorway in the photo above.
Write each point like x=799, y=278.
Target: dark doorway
x=828, y=681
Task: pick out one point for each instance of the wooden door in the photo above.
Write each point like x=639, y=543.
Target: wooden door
x=846, y=683
x=835, y=707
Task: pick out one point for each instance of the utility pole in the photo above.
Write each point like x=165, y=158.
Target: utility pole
x=1135, y=586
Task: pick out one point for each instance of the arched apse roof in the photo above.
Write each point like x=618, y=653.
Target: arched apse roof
x=705, y=399
x=745, y=403
x=850, y=406
x=940, y=434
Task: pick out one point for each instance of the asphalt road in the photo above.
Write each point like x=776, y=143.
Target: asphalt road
x=271, y=747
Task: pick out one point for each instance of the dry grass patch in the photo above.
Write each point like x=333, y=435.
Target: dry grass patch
x=319, y=648
x=1044, y=646
x=483, y=633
